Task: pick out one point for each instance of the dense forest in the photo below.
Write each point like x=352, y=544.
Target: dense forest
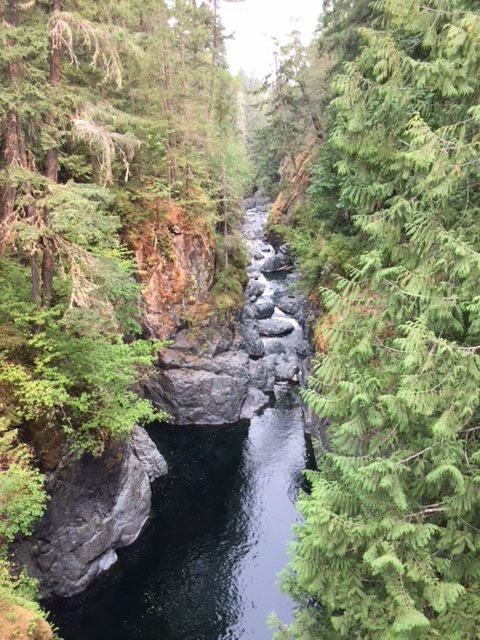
x=113, y=115
x=383, y=221
x=120, y=123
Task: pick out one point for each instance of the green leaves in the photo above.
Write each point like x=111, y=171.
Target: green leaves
x=22, y=501
x=395, y=506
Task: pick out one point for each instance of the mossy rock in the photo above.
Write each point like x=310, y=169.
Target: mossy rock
x=20, y=623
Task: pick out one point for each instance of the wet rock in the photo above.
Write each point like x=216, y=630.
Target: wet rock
x=275, y=327
x=262, y=373
x=253, y=344
x=286, y=369
x=292, y=305
x=253, y=272
x=303, y=349
x=254, y=290
x=281, y=260
x=203, y=390
x=248, y=313
x=264, y=308
x=255, y=401
x=97, y=505
x=274, y=346
x=147, y=453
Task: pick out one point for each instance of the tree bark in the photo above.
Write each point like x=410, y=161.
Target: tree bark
x=51, y=166
x=36, y=280
x=11, y=151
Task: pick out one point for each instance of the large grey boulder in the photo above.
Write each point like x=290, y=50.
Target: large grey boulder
x=255, y=401
x=275, y=346
x=254, y=289
x=203, y=390
x=275, y=327
x=280, y=261
x=287, y=368
x=97, y=505
x=293, y=305
x=264, y=308
x=252, y=342
x=262, y=373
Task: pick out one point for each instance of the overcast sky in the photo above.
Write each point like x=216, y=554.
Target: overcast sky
x=255, y=22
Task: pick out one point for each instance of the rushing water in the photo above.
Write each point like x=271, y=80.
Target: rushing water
x=206, y=567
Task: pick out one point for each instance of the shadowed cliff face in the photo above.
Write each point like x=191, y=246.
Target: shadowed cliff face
x=176, y=259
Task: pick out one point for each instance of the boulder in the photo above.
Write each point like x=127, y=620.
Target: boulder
x=303, y=349
x=253, y=344
x=292, y=305
x=275, y=327
x=203, y=390
x=97, y=505
x=248, y=313
x=262, y=373
x=286, y=369
x=254, y=289
x=255, y=401
x=264, y=308
x=275, y=346
x=281, y=260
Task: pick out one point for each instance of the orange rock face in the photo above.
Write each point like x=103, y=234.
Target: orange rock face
x=175, y=254
x=296, y=180
x=18, y=623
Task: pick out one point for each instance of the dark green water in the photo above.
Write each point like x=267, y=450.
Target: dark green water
x=206, y=566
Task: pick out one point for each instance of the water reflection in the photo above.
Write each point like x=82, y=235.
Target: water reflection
x=206, y=567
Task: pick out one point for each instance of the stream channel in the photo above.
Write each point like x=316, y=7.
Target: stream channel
x=206, y=566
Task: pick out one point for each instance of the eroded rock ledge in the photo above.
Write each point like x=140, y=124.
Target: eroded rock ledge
x=97, y=505
x=222, y=374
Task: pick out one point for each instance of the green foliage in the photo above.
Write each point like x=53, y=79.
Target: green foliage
x=93, y=96
x=231, y=278
x=22, y=500
x=67, y=367
x=389, y=548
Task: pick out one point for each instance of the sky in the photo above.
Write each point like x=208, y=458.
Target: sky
x=256, y=22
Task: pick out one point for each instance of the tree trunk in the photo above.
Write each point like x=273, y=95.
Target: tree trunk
x=51, y=165
x=225, y=215
x=317, y=125
x=36, y=280
x=11, y=151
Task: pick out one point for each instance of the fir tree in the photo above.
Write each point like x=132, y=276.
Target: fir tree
x=389, y=548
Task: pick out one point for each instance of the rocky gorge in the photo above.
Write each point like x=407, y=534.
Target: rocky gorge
x=215, y=375
x=224, y=374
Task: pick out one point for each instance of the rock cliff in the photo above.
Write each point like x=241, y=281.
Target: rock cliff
x=222, y=374
x=175, y=254
x=97, y=505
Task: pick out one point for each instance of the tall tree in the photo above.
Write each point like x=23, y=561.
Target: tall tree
x=389, y=548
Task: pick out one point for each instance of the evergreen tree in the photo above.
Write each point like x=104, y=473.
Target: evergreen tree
x=389, y=548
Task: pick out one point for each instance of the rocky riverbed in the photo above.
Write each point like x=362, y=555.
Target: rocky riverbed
x=225, y=374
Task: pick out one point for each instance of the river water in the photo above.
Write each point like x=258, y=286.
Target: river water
x=206, y=567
